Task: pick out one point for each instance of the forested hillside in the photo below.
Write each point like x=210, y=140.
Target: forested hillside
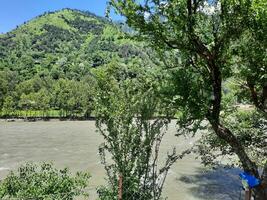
x=46, y=64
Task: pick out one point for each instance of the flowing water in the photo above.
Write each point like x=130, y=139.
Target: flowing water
x=74, y=144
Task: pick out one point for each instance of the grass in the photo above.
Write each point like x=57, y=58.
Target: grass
x=33, y=113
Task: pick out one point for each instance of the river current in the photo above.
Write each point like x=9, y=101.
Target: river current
x=74, y=144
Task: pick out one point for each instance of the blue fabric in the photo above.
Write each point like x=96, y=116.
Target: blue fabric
x=251, y=180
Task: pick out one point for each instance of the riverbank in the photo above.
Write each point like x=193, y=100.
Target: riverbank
x=36, y=119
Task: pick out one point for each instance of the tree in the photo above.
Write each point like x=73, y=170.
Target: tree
x=29, y=86
x=8, y=106
x=68, y=96
x=27, y=102
x=128, y=112
x=43, y=98
x=61, y=95
x=195, y=38
x=88, y=91
x=8, y=81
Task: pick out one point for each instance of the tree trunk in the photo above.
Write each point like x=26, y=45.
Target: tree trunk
x=225, y=134
x=259, y=101
x=213, y=114
x=214, y=118
x=260, y=193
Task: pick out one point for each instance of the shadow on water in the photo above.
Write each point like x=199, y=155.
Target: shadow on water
x=220, y=184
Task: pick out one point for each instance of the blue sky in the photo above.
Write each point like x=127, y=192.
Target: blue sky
x=15, y=12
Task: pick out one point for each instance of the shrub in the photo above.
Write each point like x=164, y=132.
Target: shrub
x=43, y=182
x=128, y=115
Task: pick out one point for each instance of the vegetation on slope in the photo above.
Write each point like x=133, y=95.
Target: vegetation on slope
x=46, y=64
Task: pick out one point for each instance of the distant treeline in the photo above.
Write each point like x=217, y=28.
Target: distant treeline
x=45, y=97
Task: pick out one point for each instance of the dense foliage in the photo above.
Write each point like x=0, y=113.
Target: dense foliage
x=45, y=64
x=43, y=182
x=204, y=44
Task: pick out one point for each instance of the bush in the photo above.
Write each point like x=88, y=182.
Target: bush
x=128, y=112
x=43, y=182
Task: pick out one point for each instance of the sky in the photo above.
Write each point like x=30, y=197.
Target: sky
x=15, y=12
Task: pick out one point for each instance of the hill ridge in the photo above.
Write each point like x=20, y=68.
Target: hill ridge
x=82, y=12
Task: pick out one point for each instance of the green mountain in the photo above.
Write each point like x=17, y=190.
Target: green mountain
x=51, y=56
x=65, y=43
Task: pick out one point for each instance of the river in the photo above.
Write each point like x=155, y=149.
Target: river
x=74, y=144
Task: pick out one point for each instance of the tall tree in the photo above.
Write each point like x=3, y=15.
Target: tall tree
x=8, y=81
x=8, y=106
x=195, y=38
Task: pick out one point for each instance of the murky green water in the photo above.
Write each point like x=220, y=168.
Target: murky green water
x=75, y=145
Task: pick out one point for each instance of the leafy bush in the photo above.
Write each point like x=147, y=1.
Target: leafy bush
x=128, y=115
x=43, y=182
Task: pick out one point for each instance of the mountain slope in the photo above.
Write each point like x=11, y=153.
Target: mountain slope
x=64, y=43
x=46, y=63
